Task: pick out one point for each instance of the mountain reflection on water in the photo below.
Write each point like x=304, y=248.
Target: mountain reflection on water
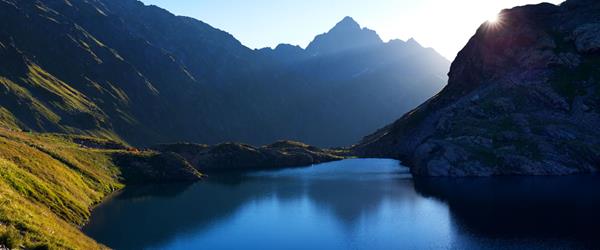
x=352, y=204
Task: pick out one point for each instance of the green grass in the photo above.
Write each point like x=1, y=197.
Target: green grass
x=49, y=183
x=39, y=101
x=7, y=119
x=23, y=95
x=65, y=97
x=47, y=186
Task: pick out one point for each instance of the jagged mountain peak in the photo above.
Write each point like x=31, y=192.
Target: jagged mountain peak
x=412, y=41
x=288, y=46
x=346, y=34
x=347, y=24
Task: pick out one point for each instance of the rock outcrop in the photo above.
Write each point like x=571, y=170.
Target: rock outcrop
x=523, y=98
x=242, y=157
x=154, y=167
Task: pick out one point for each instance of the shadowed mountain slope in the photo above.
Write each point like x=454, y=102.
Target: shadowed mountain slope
x=523, y=98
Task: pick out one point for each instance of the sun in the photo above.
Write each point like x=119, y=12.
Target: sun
x=493, y=19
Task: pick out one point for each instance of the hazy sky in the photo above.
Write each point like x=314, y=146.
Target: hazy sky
x=445, y=25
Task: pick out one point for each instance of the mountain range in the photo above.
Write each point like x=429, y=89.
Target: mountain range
x=121, y=70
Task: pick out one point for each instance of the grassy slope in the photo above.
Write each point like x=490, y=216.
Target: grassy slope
x=47, y=186
x=59, y=102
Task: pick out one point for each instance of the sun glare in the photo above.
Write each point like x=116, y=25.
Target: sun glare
x=493, y=18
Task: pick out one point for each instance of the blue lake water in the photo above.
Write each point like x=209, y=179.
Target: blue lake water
x=353, y=204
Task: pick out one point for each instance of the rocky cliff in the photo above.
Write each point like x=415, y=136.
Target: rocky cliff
x=523, y=98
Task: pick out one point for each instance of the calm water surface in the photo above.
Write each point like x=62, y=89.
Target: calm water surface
x=354, y=204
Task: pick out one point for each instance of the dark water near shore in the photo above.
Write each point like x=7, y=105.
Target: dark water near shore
x=354, y=204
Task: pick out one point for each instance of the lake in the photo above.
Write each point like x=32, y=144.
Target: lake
x=353, y=204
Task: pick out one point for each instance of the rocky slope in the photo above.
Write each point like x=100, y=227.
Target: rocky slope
x=523, y=98
x=241, y=157
x=122, y=70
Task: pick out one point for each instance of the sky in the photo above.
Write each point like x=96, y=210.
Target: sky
x=445, y=25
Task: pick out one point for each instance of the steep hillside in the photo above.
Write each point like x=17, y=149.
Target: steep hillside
x=121, y=70
x=82, y=66
x=523, y=98
x=48, y=183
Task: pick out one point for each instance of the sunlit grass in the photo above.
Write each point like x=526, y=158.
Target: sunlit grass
x=7, y=119
x=47, y=186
